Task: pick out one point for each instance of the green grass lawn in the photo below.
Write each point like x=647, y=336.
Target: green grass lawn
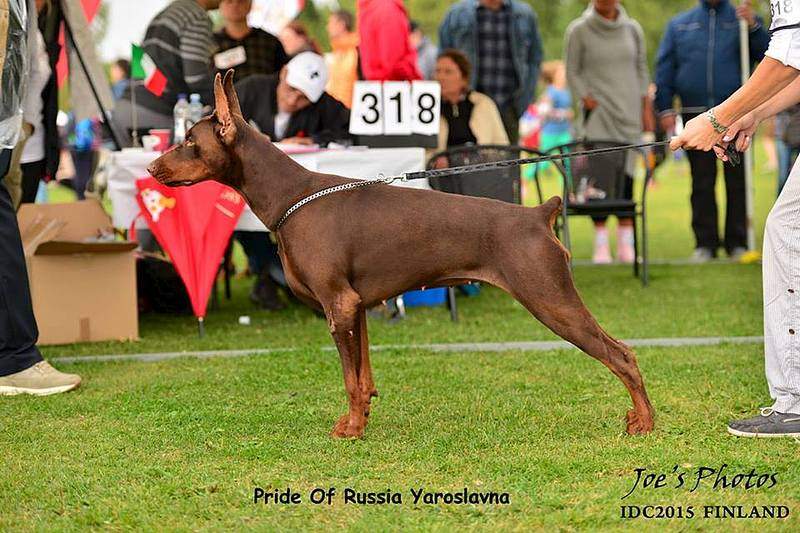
x=181, y=444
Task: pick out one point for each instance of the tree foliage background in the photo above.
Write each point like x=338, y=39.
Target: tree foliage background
x=554, y=16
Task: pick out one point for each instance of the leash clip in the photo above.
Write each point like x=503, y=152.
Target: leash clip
x=389, y=180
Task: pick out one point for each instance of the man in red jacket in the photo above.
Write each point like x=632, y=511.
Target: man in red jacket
x=386, y=53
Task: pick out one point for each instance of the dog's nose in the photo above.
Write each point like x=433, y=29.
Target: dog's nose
x=151, y=170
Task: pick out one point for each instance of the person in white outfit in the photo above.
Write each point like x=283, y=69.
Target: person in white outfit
x=774, y=86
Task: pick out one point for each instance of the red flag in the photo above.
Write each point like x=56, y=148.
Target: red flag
x=90, y=8
x=193, y=225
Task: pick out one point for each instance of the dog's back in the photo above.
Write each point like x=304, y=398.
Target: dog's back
x=399, y=231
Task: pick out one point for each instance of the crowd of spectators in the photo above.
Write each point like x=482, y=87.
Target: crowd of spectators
x=488, y=62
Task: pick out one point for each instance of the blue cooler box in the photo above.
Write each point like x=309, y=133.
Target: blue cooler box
x=428, y=297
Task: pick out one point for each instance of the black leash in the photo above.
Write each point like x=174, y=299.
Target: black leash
x=734, y=158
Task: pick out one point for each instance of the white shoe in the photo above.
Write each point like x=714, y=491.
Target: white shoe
x=602, y=250
x=602, y=255
x=40, y=380
x=625, y=249
x=737, y=253
x=702, y=255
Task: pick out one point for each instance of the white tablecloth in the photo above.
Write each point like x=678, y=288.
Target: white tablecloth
x=127, y=166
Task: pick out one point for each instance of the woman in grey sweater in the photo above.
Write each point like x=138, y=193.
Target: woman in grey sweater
x=607, y=73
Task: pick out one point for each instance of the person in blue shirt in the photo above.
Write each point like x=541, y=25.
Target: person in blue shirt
x=83, y=149
x=120, y=74
x=555, y=107
x=698, y=61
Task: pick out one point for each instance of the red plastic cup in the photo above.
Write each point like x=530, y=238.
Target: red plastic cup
x=164, y=137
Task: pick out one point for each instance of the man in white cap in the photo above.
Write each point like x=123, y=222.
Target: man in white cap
x=293, y=106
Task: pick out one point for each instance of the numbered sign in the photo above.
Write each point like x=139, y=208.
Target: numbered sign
x=784, y=13
x=366, y=115
x=397, y=108
x=427, y=98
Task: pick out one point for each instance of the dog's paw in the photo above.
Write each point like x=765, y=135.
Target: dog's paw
x=639, y=424
x=344, y=430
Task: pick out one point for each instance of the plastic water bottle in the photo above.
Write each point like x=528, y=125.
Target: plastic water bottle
x=181, y=115
x=195, y=110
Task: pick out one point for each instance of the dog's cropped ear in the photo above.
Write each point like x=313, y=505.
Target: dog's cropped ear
x=227, y=127
x=230, y=93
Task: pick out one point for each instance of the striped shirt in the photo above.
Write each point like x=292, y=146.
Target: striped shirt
x=181, y=43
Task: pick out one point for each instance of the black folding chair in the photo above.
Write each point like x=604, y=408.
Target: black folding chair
x=599, y=185
x=499, y=184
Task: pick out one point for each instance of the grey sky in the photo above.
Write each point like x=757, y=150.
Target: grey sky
x=127, y=22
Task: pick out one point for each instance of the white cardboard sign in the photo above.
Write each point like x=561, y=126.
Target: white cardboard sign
x=427, y=104
x=366, y=115
x=396, y=108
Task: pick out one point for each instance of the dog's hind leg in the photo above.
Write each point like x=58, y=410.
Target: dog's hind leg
x=365, y=374
x=342, y=311
x=538, y=276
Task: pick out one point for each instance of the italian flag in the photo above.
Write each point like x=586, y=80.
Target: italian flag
x=143, y=68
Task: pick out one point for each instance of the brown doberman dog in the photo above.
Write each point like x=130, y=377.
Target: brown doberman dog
x=341, y=252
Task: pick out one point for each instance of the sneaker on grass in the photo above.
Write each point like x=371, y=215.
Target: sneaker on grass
x=41, y=380
x=769, y=423
x=702, y=255
x=737, y=254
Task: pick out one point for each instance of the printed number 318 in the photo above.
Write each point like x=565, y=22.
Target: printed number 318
x=780, y=7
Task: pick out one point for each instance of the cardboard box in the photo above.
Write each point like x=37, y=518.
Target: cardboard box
x=82, y=285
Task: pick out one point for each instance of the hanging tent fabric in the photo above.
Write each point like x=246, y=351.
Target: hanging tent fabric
x=90, y=9
x=90, y=92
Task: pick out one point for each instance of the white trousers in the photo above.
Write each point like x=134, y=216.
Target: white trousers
x=781, y=273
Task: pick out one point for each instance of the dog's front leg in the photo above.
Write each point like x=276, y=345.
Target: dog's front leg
x=344, y=323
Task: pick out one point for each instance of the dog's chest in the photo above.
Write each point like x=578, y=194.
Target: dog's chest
x=293, y=279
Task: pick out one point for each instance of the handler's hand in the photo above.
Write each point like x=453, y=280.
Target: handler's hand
x=745, y=11
x=742, y=131
x=698, y=134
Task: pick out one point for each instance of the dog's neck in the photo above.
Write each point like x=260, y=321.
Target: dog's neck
x=270, y=181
